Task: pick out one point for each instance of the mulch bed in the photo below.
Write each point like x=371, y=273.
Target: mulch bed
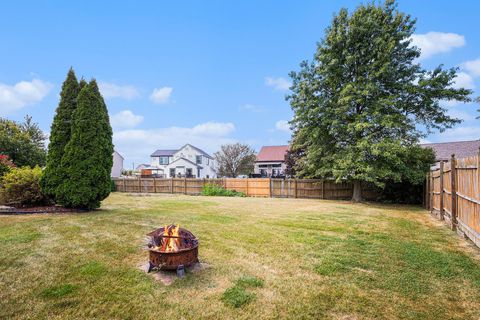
x=31, y=210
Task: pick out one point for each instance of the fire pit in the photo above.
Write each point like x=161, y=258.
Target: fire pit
x=171, y=248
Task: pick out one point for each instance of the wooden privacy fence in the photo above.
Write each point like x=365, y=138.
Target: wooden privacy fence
x=252, y=187
x=453, y=195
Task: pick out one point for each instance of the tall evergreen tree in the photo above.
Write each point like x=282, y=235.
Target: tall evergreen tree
x=360, y=105
x=88, y=154
x=60, y=134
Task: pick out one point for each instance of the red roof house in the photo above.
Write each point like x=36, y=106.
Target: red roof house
x=271, y=161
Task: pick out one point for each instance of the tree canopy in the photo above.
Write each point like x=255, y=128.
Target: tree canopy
x=235, y=159
x=60, y=134
x=23, y=142
x=88, y=155
x=361, y=106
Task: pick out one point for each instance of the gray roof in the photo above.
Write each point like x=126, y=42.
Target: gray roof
x=461, y=149
x=159, y=153
x=196, y=165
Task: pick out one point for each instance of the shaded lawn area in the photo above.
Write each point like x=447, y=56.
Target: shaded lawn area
x=271, y=258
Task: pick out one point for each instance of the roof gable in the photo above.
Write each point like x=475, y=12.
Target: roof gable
x=196, y=149
x=186, y=160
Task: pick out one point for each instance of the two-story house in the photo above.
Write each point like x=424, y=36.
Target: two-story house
x=188, y=161
x=270, y=161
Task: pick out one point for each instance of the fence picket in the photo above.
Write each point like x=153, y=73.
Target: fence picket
x=459, y=190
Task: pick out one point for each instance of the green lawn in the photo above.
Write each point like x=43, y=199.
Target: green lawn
x=268, y=258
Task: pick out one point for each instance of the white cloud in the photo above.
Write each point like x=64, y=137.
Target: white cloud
x=460, y=134
x=125, y=119
x=138, y=144
x=22, y=94
x=252, y=108
x=282, y=125
x=280, y=83
x=112, y=90
x=161, y=95
x=459, y=114
x=464, y=80
x=432, y=43
x=472, y=67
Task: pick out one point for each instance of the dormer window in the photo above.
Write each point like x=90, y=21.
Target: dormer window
x=163, y=160
x=199, y=159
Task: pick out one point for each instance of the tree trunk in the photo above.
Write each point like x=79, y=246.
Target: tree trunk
x=357, y=191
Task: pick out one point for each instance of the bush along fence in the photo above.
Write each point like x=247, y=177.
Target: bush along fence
x=251, y=187
x=453, y=195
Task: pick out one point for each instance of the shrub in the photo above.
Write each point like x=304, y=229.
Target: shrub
x=216, y=190
x=5, y=164
x=21, y=187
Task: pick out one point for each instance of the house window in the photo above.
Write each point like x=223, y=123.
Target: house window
x=199, y=159
x=172, y=172
x=189, y=172
x=208, y=161
x=163, y=160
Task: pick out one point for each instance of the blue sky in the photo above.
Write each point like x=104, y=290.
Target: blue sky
x=204, y=72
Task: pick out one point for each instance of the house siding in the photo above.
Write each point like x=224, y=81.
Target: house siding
x=184, y=160
x=117, y=165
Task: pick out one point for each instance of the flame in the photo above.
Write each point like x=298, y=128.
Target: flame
x=170, y=242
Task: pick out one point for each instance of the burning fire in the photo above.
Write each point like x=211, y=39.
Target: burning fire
x=170, y=239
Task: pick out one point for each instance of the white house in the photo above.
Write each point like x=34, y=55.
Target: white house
x=117, y=165
x=188, y=161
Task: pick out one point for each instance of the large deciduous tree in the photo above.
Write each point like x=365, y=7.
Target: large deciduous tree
x=60, y=134
x=364, y=102
x=88, y=155
x=23, y=142
x=235, y=159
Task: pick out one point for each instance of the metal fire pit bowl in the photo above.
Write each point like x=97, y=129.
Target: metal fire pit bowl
x=186, y=255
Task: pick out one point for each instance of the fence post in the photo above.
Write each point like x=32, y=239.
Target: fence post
x=454, y=192
x=154, y=185
x=425, y=188
x=185, y=185
x=427, y=192
x=323, y=189
x=246, y=187
x=431, y=192
x=478, y=171
x=124, y=186
x=171, y=185
x=140, y=184
x=296, y=188
x=442, y=212
x=271, y=187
